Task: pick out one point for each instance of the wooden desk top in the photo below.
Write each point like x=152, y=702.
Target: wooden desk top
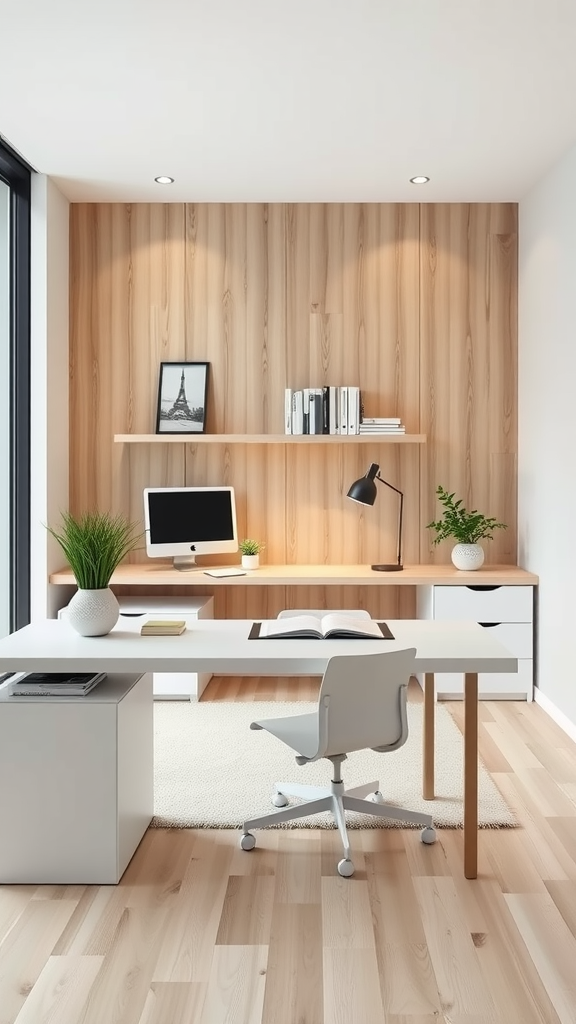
x=156, y=573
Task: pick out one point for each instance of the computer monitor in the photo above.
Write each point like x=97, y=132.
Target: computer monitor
x=182, y=522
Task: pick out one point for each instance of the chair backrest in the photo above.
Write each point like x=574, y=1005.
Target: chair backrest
x=357, y=613
x=362, y=702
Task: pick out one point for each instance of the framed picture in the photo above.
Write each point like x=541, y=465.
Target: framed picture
x=182, y=391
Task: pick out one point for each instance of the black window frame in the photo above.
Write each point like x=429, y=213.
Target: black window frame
x=17, y=175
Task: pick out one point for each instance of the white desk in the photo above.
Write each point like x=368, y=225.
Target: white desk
x=223, y=647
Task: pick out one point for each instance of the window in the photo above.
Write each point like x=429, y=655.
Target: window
x=14, y=391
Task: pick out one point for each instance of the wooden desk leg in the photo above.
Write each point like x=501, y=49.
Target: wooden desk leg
x=471, y=774
x=428, y=738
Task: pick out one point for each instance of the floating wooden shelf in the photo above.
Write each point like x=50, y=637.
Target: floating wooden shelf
x=270, y=438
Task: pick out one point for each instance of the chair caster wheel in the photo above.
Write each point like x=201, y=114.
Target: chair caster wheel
x=345, y=868
x=279, y=800
x=428, y=835
x=376, y=797
x=247, y=841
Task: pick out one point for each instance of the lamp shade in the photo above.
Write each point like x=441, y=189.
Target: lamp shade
x=364, y=490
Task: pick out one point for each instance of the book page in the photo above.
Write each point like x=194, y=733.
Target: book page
x=336, y=621
x=293, y=624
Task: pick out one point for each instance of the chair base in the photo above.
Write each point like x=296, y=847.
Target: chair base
x=337, y=800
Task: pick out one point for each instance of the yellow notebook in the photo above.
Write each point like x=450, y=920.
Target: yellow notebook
x=163, y=627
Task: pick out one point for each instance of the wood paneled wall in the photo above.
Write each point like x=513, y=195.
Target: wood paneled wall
x=415, y=304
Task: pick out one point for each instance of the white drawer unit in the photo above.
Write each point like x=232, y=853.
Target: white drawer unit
x=172, y=685
x=506, y=610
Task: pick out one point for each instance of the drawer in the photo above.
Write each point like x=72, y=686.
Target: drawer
x=484, y=604
x=515, y=636
x=491, y=685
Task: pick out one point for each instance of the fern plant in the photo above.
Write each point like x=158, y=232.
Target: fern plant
x=94, y=544
x=250, y=547
x=457, y=522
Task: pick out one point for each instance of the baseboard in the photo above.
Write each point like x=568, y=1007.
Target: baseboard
x=555, y=714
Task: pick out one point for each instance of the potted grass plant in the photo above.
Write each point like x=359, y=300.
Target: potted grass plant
x=94, y=544
x=465, y=527
x=250, y=551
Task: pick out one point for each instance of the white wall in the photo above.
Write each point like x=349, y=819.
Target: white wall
x=547, y=422
x=49, y=388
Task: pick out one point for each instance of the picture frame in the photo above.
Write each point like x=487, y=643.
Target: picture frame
x=182, y=395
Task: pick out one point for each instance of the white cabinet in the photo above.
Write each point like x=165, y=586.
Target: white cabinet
x=508, y=612
x=172, y=685
x=77, y=789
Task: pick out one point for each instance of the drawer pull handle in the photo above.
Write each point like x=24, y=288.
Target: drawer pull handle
x=483, y=586
x=487, y=625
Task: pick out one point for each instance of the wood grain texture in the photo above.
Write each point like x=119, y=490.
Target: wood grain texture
x=468, y=365
x=416, y=305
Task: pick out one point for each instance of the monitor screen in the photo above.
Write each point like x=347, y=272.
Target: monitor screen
x=182, y=522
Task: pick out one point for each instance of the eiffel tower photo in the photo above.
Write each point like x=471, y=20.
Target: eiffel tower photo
x=182, y=414
x=180, y=410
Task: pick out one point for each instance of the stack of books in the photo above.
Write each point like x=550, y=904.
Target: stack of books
x=56, y=684
x=382, y=425
x=325, y=410
x=163, y=627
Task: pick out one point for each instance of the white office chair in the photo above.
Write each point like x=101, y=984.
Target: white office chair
x=356, y=613
x=362, y=704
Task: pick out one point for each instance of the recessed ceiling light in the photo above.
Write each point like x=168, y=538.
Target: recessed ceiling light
x=420, y=179
x=163, y=179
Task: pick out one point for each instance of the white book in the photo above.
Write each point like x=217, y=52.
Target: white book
x=353, y=409
x=375, y=428
x=343, y=410
x=333, y=410
x=333, y=625
x=382, y=419
x=312, y=411
x=306, y=410
x=297, y=413
x=288, y=396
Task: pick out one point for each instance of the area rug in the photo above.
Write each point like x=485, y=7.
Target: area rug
x=213, y=771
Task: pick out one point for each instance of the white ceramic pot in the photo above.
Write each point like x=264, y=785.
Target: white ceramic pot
x=467, y=556
x=93, y=612
x=250, y=561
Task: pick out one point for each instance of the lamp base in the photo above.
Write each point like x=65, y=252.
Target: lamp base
x=387, y=568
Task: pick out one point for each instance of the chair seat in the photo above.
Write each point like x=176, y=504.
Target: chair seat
x=299, y=731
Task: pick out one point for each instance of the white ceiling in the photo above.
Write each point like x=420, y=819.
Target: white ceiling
x=306, y=100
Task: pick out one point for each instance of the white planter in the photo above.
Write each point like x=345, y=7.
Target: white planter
x=93, y=612
x=467, y=556
x=250, y=561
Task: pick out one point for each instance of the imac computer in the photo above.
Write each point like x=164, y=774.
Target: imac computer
x=182, y=522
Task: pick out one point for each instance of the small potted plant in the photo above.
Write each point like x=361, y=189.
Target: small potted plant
x=467, y=528
x=250, y=550
x=94, y=544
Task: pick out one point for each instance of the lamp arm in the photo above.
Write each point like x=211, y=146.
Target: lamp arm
x=400, y=514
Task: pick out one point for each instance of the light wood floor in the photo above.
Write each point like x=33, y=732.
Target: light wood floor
x=198, y=932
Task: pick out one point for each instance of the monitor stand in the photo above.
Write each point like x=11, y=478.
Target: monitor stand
x=186, y=563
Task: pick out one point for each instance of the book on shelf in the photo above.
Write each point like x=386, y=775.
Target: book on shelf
x=387, y=420
x=381, y=428
x=288, y=399
x=56, y=684
x=163, y=627
x=322, y=410
x=331, y=626
x=353, y=409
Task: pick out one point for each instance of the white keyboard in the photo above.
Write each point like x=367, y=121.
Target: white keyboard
x=225, y=572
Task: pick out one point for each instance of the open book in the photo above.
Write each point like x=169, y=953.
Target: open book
x=330, y=626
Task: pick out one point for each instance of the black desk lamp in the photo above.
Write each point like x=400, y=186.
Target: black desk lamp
x=364, y=491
